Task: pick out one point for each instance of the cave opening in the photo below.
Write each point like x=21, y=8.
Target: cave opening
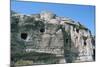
x=42, y=30
x=67, y=40
x=94, y=54
x=77, y=30
x=85, y=43
x=24, y=35
x=85, y=38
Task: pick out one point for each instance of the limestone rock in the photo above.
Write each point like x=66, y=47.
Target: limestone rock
x=47, y=33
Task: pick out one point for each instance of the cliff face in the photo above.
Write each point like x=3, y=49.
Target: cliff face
x=47, y=33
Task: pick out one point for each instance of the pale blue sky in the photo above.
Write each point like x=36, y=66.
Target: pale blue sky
x=85, y=14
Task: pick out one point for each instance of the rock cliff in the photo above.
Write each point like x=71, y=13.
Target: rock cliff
x=51, y=38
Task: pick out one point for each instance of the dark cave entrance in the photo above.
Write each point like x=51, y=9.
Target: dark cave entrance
x=24, y=35
x=42, y=30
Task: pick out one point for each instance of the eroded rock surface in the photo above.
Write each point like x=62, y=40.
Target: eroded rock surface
x=46, y=38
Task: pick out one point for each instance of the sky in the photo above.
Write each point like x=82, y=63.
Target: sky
x=85, y=14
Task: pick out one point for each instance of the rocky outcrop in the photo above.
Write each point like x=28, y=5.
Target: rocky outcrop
x=46, y=33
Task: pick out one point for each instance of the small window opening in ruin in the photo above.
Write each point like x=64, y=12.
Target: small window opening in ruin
x=42, y=30
x=77, y=30
x=24, y=35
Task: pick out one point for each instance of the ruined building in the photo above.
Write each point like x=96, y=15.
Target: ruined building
x=46, y=38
